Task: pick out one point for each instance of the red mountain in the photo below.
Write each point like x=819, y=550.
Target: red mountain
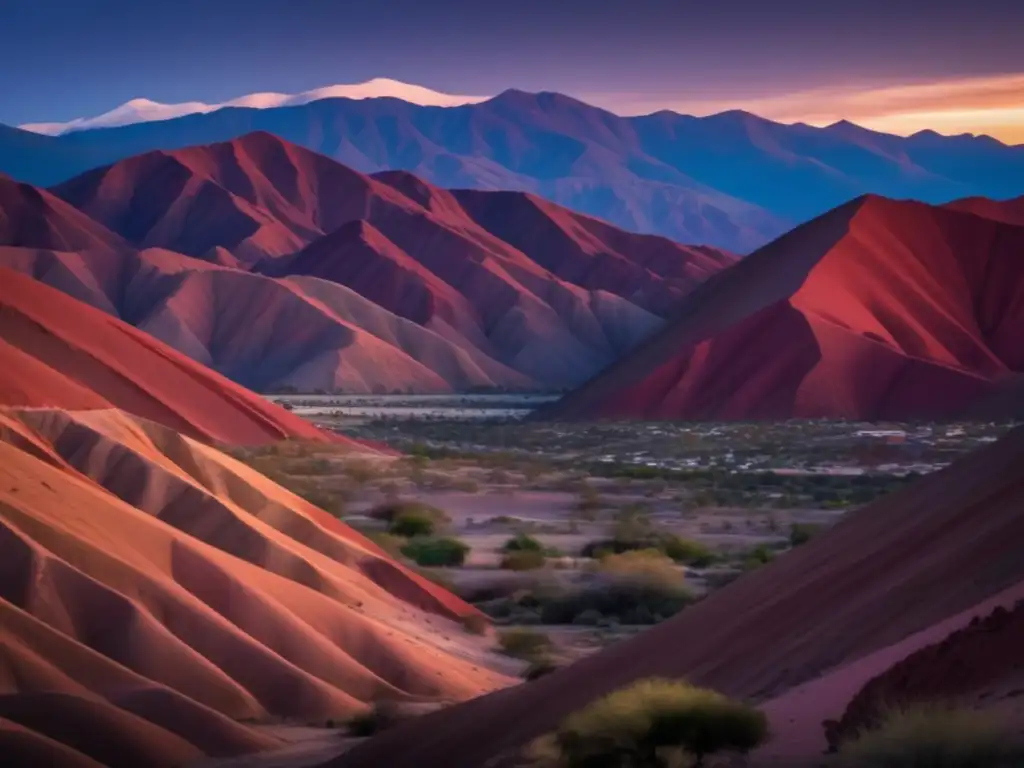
x=878, y=309
x=525, y=293
x=58, y=352
x=35, y=218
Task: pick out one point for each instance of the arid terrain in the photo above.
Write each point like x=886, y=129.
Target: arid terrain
x=344, y=431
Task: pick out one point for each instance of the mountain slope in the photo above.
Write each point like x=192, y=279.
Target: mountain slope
x=56, y=351
x=731, y=180
x=265, y=334
x=35, y=218
x=547, y=309
x=154, y=592
x=878, y=309
x=886, y=573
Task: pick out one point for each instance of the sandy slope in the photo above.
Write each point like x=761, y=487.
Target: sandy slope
x=153, y=592
x=878, y=309
x=56, y=351
x=887, y=571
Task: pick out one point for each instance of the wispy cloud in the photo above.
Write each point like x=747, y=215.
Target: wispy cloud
x=990, y=105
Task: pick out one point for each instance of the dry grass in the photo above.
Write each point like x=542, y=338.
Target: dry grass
x=936, y=737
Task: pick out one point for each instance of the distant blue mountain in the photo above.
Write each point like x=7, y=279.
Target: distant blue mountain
x=733, y=180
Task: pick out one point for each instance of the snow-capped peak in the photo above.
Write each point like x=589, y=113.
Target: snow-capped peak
x=145, y=110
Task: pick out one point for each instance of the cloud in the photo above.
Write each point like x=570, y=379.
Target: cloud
x=992, y=105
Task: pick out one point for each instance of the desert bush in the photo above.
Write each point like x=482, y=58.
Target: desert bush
x=658, y=722
x=379, y=717
x=436, y=551
x=392, y=510
x=935, y=737
x=412, y=523
x=636, y=587
x=523, y=560
x=688, y=551
x=525, y=644
x=758, y=556
x=677, y=548
x=522, y=542
x=801, y=533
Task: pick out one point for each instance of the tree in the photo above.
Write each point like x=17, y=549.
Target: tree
x=655, y=722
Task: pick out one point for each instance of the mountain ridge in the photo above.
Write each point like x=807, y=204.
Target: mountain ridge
x=732, y=179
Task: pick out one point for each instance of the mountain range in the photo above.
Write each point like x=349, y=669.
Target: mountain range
x=283, y=269
x=731, y=180
x=163, y=603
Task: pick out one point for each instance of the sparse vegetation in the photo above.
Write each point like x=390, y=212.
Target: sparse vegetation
x=675, y=547
x=379, y=717
x=658, y=722
x=411, y=524
x=636, y=587
x=523, y=560
x=936, y=737
x=756, y=557
x=801, y=533
x=525, y=644
x=522, y=543
x=443, y=552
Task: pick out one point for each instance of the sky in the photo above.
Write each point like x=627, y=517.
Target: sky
x=895, y=65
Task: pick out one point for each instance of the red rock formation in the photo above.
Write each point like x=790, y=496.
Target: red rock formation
x=879, y=309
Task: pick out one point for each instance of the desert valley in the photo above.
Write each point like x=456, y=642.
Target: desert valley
x=375, y=426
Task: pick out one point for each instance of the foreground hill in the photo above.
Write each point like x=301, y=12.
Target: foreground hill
x=732, y=180
x=155, y=592
x=416, y=287
x=802, y=635
x=879, y=309
x=57, y=352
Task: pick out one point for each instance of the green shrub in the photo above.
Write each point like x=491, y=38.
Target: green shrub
x=392, y=510
x=524, y=560
x=688, y=551
x=410, y=524
x=679, y=549
x=436, y=552
x=935, y=738
x=522, y=542
x=656, y=722
x=524, y=644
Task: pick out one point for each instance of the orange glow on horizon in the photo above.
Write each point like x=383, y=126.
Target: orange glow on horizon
x=979, y=105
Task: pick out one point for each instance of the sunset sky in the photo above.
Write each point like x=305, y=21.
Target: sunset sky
x=895, y=65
